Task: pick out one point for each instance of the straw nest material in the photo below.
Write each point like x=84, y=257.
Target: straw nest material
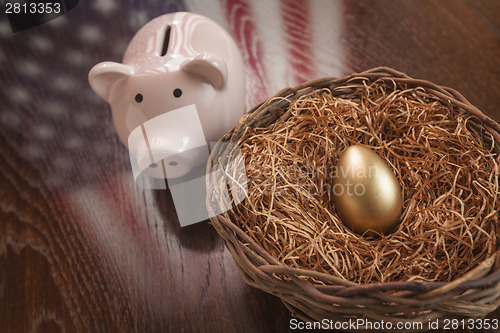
x=286, y=235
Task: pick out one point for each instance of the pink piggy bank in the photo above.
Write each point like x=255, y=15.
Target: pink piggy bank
x=180, y=85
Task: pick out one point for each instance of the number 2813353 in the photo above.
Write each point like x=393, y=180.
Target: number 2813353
x=479, y=323
x=32, y=8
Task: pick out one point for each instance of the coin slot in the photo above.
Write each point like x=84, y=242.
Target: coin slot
x=166, y=41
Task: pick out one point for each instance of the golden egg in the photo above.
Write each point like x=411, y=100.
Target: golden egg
x=366, y=193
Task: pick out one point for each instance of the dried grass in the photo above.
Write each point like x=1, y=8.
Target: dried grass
x=448, y=171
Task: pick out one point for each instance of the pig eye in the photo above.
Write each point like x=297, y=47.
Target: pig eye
x=138, y=98
x=177, y=93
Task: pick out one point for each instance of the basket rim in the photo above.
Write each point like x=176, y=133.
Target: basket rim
x=384, y=74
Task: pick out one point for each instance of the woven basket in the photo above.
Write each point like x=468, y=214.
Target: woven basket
x=474, y=294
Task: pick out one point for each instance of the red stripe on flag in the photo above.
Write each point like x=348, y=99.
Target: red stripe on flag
x=242, y=27
x=298, y=37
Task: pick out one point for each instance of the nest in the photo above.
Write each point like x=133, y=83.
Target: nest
x=288, y=239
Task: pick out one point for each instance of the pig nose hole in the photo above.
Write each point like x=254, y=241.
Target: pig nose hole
x=173, y=163
x=153, y=165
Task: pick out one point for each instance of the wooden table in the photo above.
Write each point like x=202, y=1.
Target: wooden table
x=82, y=248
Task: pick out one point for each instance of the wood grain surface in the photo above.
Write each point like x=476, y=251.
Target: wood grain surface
x=83, y=249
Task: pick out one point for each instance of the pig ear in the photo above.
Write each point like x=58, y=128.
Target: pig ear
x=103, y=76
x=208, y=66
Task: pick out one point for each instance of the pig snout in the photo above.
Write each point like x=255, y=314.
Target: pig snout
x=169, y=145
x=167, y=161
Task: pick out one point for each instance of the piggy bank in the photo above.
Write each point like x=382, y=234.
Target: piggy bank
x=179, y=86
